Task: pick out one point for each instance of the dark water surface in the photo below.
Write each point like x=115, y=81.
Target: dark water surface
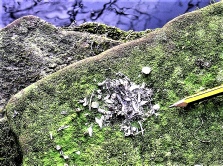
x=126, y=14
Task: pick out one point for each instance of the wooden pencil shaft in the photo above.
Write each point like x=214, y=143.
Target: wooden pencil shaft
x=198, y=96
x=204, y=94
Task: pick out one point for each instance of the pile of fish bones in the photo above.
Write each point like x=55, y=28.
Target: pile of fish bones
x=121, y=99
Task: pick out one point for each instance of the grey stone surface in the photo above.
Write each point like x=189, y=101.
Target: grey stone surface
x=30, y=49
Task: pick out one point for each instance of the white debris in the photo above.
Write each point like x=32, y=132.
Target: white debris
x=107, y=97
x=63, y=112
x=62, y=128
x=61, y=153
x=101, y=83
x=58, y=147
x=95, y=104
x=99, y=97
x=84, y=101
x=65, y=157
x=113, y=96
x=78, y=110
x=134, y=129
x=98, y=91
x=51, y=135
x=90, y=131
x=146, y=70
x=127, y=99
x=143, y=85
x=90, y=104
x=15, y=114
x=109, y=101
x=78, y=152
x=143, y=102
x=123, y=99
x=133, y=87
x=149, y=91
x=156, y=107
x=129, y=130
x=101, y=110
x=140, y=124
x=100, y=121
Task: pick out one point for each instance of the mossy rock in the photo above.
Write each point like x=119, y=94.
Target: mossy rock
x=30, y=49
x=108, y=31
x=10, y=152
x=186, y=55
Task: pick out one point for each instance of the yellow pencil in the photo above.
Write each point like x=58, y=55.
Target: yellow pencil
x=198, y=96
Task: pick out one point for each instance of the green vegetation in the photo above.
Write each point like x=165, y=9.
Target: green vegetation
x=185, y=56
x=10, y=152
x=109, y=32
x=30, y=49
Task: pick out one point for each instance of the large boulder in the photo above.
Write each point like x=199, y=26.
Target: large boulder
x=185, y=56
x=30, y=49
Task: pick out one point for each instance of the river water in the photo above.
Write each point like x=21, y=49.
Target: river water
x=125, y=14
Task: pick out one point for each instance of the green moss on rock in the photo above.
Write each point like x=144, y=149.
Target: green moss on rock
x=10, y=151
x=30, y=49
x=185, y=56
x=108, y=31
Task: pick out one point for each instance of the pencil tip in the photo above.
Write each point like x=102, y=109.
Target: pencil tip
x=171, y=106
x=180, y=103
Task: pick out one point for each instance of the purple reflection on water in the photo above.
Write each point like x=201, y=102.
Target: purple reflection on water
x=126, y=14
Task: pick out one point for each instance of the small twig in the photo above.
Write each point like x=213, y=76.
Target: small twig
x=91, y=45
x=140, y=124
x=89, y=104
